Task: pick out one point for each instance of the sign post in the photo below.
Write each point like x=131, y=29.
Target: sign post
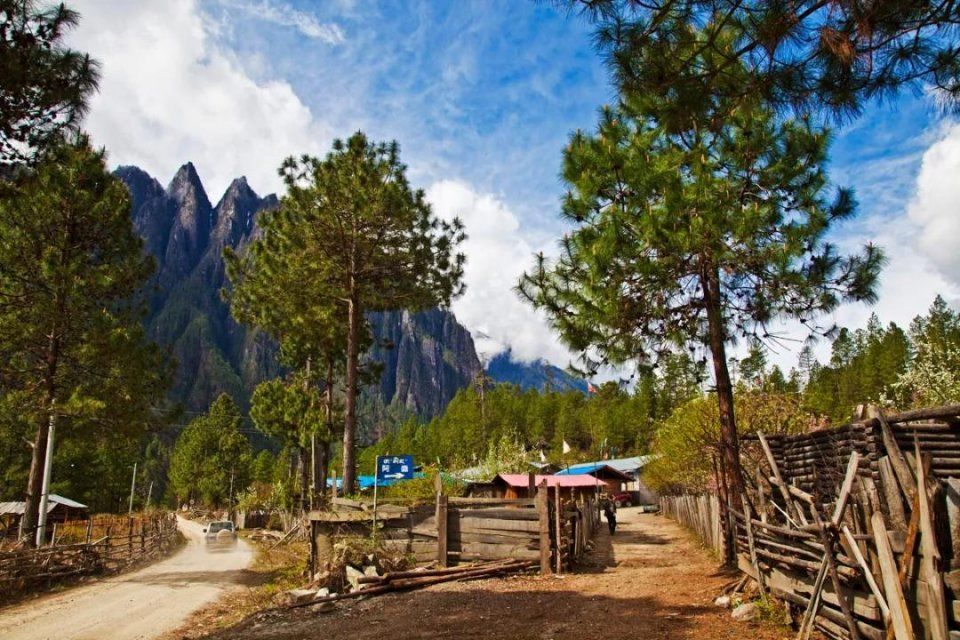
x=390, y=468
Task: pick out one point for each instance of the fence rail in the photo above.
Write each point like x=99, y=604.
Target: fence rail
x=699, y=513
x=122, y=541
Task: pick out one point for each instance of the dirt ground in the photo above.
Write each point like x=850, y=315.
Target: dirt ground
x=141, y=604
x=650, y=580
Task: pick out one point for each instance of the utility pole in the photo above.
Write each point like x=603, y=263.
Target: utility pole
x=47, y=472
x=133, y=485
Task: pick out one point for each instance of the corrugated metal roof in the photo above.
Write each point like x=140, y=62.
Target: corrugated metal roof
x=53, y=500
x=624, y=465
x=591, y=468
x=523, y=480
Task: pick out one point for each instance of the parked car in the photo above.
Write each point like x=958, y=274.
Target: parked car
x=220, y=532
x=622, y=499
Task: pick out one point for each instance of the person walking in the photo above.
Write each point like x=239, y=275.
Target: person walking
x=610, y=512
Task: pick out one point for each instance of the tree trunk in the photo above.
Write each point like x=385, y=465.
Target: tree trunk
x=324, y=464
x=350, y=403
x=305, y=467
x=712, y=299
x=31, y=511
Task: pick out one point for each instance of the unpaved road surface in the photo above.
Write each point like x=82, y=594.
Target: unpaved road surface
x=651, y=581
x=137, y=605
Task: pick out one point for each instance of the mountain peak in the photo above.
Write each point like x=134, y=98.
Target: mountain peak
x=187, y=182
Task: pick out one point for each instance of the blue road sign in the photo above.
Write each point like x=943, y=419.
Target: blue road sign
x=394, y=467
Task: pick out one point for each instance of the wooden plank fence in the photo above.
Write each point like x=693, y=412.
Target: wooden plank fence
x=455, y=530
x=699, y=513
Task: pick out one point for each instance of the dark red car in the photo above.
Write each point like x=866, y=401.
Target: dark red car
x=622, y=499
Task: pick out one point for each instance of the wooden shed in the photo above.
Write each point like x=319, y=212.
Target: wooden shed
x=59, y=509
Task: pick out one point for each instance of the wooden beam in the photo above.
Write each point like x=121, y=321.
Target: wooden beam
x=930, y=561
x=543, y=513
x=900, y=621
x=778, y=480
x=845, y=489
x=441, y=529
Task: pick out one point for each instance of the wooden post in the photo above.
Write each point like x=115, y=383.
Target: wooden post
x=531, y=484
x=442, y=502
x=89, y=530
x=900, y=623
x=753, y=550
x=129, y=538
x=558, y=526
x=143, y=546
x=333, y=488
x=543, y=515
x=931, y=572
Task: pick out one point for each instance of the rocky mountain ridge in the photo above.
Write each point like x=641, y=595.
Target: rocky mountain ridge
x=432, y=355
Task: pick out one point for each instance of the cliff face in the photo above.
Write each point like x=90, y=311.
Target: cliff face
x=432, y=355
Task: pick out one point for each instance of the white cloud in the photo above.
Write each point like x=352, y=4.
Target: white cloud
x=497, y=253
x=169, y=94
x=286, y=16
x=936, y=204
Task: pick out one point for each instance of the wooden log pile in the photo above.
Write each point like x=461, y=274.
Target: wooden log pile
x=858, y=527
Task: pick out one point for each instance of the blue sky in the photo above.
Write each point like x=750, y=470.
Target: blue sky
x=482, y=97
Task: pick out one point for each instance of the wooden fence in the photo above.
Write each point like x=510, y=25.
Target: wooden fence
x=455, y=530
x=699, y=513
x=87, y=547
x=856, y=527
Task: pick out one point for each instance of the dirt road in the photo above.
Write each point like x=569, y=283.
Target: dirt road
x=650, y=581
x=137, y=605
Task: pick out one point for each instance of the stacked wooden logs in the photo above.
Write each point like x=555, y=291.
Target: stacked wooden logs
x=419, y=578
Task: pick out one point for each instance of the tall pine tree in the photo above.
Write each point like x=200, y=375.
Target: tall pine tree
x=72, y=272
x=358, y=239
x=703, y=231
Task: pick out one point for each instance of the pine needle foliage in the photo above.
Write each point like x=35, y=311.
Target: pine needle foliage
x=695, y=233
x=351, y=236
x=44, y=85
x=810, y=55
x=72, y=275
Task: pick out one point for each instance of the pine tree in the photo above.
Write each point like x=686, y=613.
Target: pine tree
x=293, y=411
x=695, y=231
x=211, y=461
x=354, y=237
x=72, y=272
x=807, y=54
x=44, y=86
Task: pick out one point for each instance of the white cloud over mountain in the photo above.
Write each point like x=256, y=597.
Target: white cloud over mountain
x=173, y=91
x=170, y=94
x=497, y=254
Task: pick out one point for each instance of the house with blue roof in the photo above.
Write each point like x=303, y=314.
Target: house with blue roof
x=625, y=471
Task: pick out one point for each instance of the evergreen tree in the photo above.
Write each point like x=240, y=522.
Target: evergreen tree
x=700, y=230
x=44, y=86
x=360, y=239
x=807, y=54
x=294, y=413
x=72, y=271
x=753, y=367
x=211, y=461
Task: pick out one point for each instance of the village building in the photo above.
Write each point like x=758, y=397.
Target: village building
x=512, y=486
x=59, y=510
x=630, y=468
